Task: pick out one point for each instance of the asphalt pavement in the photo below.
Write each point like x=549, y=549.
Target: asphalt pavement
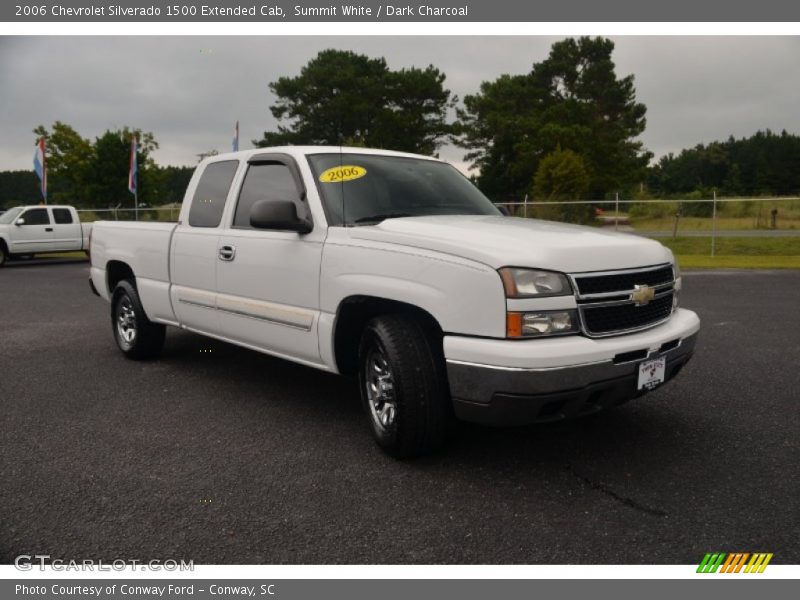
x=221, y=455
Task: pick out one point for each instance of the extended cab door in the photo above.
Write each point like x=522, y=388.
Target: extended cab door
x=35, y=234
x=67, y=233
x=268, y=280
x=194, y=249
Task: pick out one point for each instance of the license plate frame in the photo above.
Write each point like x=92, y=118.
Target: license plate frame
x=651, y=373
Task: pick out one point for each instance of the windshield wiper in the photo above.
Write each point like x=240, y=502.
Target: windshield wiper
x=379, y=218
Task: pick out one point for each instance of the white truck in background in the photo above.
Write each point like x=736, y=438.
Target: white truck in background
x=395, y=268
x=39, y=229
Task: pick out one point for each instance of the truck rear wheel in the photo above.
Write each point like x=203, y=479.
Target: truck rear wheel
x=137, y=337
x=403, y=386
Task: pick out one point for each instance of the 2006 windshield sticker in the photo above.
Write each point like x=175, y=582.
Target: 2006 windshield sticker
x=343, y=173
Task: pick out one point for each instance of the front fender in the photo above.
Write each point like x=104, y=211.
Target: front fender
x=464, y=296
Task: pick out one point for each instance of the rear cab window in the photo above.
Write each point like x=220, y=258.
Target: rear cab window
x=62, y=216
x=208, y=202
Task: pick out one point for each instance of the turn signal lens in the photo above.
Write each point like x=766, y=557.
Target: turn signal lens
x=514, y=325
x=543, y=323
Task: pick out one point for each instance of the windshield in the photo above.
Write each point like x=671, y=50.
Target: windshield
x=10, y=215
x=364, y=189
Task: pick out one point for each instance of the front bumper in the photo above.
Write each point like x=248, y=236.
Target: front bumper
x=515, y=382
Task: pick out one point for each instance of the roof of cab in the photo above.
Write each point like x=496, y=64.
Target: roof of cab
x=300, y=151
x=26, y=206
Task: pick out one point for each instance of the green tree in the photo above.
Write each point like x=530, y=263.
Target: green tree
x=560, y=177
x=174, y=181
x=572, y=99
x=18, y=187
x=110, y=166
x=762, y=164
x=95, y=174
x=69, y=159
x=340, y=95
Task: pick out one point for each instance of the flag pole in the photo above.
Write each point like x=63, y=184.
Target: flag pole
x=44, y=169
x=136, y=189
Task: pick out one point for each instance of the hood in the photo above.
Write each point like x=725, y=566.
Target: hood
x=500, y=241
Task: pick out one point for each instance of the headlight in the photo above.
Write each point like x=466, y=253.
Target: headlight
x=528, y=283
x=676, y=292
x=541, y=323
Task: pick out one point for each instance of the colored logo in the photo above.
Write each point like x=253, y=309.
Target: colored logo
x=735, y=562
x=643, y=295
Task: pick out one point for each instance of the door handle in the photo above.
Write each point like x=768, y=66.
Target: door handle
x=48, y=229
x=227, y=253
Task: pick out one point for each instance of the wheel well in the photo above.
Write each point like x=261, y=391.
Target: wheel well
x=117, y=271
x=3, y=245
x=353, y=315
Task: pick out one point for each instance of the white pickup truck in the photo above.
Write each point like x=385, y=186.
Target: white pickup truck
x=29, y=230
x=395, y=268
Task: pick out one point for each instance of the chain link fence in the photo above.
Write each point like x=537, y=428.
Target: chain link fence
x=713, y=218
x=689, y=225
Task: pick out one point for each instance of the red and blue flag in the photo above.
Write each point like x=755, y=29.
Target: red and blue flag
x=133, y=172
x=40, y=165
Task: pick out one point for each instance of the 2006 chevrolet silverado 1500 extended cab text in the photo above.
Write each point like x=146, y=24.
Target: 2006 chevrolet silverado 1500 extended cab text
x=395, y=268
x=29, y=230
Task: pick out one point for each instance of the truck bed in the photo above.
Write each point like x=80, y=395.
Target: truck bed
x=144, y=246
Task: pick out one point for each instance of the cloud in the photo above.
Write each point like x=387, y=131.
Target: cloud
x=189, y=90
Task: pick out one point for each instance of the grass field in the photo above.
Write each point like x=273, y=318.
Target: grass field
x=735, y=246
x=705, y=224
x=78, y=254
x=694, y=261
x=737, y=253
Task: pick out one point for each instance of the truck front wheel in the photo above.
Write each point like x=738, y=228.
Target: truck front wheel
x=403, y=385
x=137, y=337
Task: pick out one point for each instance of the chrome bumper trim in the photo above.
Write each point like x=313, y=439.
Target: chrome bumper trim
x=475, y=383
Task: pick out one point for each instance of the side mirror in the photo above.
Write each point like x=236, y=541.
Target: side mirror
x=503, y=209
x=278, y=214
x=20, y=221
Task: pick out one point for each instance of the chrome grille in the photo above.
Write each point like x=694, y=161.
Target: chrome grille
x=606, y=304
x=598, y=284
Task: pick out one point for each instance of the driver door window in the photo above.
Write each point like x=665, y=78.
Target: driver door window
x=36, y=216
x=264, y=181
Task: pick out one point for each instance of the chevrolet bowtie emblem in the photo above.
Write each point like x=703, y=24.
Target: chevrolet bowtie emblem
x=643, y=294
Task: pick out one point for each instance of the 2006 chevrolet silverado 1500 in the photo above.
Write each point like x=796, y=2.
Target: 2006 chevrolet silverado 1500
x=396, y=268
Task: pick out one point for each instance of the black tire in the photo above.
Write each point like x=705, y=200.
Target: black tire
x=3, y=256
x=417, y=386
x=127, y=315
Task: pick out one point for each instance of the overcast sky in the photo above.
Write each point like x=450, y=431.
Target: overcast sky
x=190, y=90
